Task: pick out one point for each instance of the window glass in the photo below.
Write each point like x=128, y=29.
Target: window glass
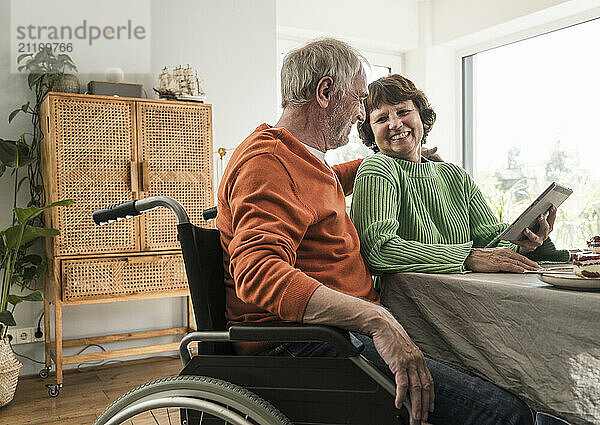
x=536, y=120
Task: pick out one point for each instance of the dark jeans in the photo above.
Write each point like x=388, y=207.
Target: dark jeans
x=460, y=399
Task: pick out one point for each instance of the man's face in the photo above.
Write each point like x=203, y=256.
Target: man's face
x=345, y=111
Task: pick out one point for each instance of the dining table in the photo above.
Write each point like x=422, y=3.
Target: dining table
x=536, y=340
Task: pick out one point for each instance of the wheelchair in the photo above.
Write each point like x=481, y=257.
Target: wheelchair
x=218, y=387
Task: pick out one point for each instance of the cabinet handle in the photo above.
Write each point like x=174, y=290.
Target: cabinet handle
x=144, y=259
x=145, y=178
x=133, y=176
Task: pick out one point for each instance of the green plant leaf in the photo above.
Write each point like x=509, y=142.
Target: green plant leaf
x=14, y=299
x=13, y=114
x=9, y=156
x=7, y=318
x=23, y=56
x=34, y=296
x=17, y=299
x=2, y=169
x=26, y=214
x=64, y=58
x=40, y=270
x=29, y=273
x=25, y=106
x=32, y=259
x=34, y=78
x=30, y=233
x=8, y=152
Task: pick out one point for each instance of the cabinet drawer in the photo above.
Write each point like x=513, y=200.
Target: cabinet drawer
x=116, y=277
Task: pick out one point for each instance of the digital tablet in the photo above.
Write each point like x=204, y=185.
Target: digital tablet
x=555, y=195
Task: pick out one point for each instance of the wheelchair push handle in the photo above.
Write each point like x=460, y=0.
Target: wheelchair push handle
x=132, y=208
x=115, y=212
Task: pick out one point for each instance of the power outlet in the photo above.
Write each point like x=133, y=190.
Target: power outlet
x=24, y=335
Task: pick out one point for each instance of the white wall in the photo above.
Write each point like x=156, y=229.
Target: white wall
x=232, y=45
x=377, y=25
x=455, y=18
x=451, y=29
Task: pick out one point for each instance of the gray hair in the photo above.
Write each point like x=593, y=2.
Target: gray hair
x=304, y=67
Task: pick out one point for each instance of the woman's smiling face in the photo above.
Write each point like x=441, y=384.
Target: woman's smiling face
x=398, y=130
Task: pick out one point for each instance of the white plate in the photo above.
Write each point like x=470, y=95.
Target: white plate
x=570, y=281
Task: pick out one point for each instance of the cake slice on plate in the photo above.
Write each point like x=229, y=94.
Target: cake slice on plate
x=587, y=264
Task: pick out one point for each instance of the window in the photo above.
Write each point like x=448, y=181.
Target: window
x=531, y=117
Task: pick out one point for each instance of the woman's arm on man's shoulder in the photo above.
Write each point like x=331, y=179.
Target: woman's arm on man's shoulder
x=346, y=173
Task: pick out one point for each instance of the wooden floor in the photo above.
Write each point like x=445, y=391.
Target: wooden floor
x=84, y=395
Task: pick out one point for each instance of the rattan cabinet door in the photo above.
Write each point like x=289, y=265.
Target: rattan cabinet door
x=175, y=150
x=93, y=149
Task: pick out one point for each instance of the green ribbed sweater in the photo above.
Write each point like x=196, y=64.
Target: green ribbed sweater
x=424, y=217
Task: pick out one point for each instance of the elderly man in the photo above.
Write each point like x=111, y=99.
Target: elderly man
x=292, y=253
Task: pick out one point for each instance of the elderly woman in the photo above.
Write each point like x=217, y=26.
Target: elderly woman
x=421, y=216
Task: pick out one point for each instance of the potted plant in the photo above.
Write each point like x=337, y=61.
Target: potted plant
x=19, y=267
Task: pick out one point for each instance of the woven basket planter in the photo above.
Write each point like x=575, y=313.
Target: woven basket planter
x=9, y=372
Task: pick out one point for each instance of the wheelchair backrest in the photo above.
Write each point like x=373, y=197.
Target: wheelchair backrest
x=203, y=258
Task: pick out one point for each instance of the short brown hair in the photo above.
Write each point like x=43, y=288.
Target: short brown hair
x=392, y=90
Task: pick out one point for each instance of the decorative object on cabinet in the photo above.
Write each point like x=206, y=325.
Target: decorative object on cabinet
x=109, y=88
x=67, y=83
x=180, y=83
x=100, y=151
x=114, y=75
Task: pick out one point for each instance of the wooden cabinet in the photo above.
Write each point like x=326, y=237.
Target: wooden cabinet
x=99, y=151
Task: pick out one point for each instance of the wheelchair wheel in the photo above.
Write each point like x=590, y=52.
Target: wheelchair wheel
x=191, y=400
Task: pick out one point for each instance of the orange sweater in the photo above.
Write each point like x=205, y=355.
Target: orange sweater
x=285, y=231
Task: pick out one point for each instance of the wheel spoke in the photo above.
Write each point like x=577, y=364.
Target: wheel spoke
x=155, y=420
x=169, y=416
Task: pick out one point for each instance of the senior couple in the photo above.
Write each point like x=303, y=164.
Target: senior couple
x=291, y=253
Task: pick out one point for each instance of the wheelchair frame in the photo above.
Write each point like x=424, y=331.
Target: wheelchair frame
x=235, y=386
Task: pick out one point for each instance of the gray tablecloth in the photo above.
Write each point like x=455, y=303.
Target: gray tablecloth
x=537, y=341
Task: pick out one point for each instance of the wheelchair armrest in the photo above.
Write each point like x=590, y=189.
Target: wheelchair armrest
x=295, y=332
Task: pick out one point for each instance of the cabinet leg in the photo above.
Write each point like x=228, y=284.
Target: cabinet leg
x=47, y=340
x=58, y=342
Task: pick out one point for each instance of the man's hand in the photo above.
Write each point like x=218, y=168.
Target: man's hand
x=407, y=363
x=431, y=154
x=536, y=239
x=498, y=260
x=329, y=307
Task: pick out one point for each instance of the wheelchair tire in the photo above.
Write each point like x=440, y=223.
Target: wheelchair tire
x=223, y=402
